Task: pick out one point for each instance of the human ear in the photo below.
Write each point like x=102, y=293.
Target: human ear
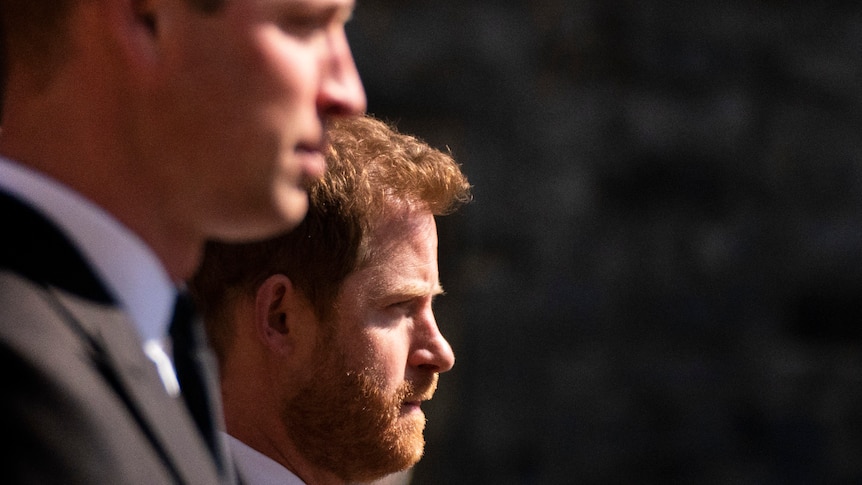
x=132, y=26
x=271, y=306
x=145, y=14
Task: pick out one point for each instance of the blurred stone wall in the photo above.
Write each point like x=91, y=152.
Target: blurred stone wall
x=660, y=278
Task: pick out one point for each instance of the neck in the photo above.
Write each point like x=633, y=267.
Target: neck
x=254, y=417
x=59, y=133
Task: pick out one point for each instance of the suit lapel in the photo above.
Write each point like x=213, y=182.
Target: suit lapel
x=36, y=249
x=164, y=418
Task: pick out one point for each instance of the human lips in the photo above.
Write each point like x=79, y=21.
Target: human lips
x=411, y=407
x=311, y=159
x=414, y=403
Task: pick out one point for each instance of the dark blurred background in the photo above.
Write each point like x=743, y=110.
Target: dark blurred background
x=660, y=278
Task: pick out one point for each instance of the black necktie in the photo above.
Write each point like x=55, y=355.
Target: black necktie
x=190, y=353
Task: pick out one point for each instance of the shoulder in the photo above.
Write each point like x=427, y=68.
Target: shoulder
x=62, y=418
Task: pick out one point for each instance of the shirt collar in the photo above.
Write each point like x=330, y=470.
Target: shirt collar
x=255, y=468
x=129, y=268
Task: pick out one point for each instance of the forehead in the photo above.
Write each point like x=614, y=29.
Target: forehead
x=404, y=259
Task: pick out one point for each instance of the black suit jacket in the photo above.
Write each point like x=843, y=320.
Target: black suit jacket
x=81, y=402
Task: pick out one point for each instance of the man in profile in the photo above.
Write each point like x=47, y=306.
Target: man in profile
x=326, y=336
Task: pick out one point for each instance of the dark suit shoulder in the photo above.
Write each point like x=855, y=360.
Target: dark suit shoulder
x=62, y=419
x=35, y=248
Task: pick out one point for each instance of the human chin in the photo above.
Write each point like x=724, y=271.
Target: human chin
x=348, y=423
x=391, y=438
x=409, y=444
x=291, y=204
x=405, y=437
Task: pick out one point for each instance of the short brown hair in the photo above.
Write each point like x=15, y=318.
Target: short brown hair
x=372, y=171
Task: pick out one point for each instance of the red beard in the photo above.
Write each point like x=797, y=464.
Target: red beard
x=343, y=421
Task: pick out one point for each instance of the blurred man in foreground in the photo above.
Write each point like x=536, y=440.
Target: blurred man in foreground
x=132, y=132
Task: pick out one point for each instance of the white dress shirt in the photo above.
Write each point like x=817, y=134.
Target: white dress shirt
x=255, y=468
x=128, y=267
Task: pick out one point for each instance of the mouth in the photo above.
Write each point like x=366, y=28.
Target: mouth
x=417, y=391
x=413, y=404
x=411, y=407
x=311, y=159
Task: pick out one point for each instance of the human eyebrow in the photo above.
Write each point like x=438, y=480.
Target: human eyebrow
x=335, y=10
x=305, y=17
x=397, y=293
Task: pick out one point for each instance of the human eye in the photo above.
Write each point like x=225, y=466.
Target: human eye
x=307, y=20
x=300, y=24
x=412, y=304
x=400, y=304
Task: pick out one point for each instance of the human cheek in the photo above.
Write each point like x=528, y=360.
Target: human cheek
x=294, y=64
x=388, y=348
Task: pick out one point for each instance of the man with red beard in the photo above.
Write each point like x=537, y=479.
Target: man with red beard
x=326, y=338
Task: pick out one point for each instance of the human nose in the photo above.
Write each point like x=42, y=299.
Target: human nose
x=341, y=92
x=430, y=351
